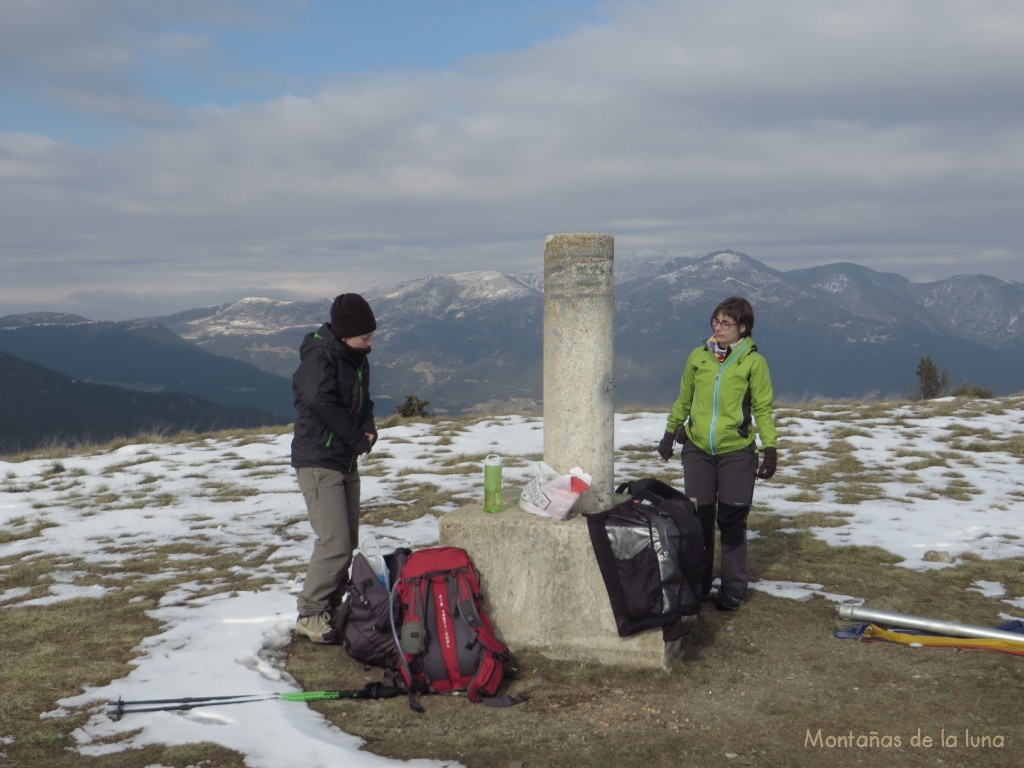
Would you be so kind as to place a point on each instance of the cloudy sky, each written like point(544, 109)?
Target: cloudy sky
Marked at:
point(163, 155)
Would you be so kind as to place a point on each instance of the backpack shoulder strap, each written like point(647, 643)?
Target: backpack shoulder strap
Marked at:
point(478, 623)
point(402, 677)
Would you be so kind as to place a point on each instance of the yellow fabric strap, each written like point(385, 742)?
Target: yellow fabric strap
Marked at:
point(876, 632)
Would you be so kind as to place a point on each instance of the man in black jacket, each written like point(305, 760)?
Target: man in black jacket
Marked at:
point(333, 426)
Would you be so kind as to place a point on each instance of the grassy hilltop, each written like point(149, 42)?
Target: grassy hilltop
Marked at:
point(92, 542)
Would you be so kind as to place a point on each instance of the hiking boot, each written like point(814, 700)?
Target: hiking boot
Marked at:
point(317, 627)
point(728, 602)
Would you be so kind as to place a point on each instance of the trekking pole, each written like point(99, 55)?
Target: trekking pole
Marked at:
point(117, 709)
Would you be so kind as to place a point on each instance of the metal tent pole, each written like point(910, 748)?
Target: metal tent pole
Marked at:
point(935, 626)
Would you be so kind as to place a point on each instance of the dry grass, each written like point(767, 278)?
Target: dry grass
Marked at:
point(754, 688)
point(768, 686)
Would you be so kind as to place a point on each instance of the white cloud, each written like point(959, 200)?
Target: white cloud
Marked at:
point(799, 132)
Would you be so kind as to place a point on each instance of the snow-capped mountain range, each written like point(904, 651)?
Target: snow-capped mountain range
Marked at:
point(474, 340)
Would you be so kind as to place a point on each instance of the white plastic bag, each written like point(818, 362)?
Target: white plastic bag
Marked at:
point(375, 557)
point(551, 494)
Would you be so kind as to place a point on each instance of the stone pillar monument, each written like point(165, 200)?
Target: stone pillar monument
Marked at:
point(579, 412)
point(543, 586)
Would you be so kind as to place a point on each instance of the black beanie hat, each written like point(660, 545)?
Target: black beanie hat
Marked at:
point(352, 316)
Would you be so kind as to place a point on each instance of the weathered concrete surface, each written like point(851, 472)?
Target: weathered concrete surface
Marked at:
point(540, 577)
point(543, 587)
point(579, 349)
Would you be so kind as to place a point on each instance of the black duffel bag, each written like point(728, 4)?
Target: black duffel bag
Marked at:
point(649, 549)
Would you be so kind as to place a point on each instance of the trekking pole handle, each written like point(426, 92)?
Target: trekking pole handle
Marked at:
point(311, 696)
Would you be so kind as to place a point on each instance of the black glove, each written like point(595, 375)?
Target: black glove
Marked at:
point(665, 446)
point(768, 463)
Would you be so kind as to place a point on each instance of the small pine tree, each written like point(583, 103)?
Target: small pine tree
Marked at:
point(413, 406)
point(930, 383)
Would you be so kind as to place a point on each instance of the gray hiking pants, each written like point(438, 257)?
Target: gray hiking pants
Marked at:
point(332, 502)
point(722, 487)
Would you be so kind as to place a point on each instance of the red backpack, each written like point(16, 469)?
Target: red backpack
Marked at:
point(447, 639)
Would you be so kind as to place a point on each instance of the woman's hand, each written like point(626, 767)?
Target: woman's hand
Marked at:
point(665, 449)
point(768, 463)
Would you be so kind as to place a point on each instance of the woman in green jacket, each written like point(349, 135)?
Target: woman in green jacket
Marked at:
point(725, 401)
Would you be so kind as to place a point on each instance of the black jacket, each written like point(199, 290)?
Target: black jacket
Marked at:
point(333, 409)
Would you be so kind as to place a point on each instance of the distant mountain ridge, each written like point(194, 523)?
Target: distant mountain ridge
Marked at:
point(474, 340)
point(39, 407)
point(464, 339)
point(141, 356)
point(840, 330)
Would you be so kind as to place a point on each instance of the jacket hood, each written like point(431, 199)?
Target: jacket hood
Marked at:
point(324, 337)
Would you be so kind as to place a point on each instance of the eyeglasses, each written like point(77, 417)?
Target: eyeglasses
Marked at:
point(723, 324)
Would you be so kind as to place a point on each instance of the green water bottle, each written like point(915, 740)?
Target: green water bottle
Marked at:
point(492, 483)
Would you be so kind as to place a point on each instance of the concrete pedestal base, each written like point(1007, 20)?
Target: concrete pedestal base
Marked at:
point(543, 587)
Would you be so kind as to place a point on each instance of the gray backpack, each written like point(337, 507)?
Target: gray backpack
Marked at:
point(364, 619)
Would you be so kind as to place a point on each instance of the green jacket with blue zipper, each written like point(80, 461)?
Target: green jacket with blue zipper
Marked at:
point(717, 399)
point(333, 409)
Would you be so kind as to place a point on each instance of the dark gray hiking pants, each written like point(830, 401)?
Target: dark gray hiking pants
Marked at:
point(332, 502)
point(722, 487)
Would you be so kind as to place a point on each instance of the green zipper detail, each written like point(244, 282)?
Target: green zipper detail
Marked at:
point(359, 408)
